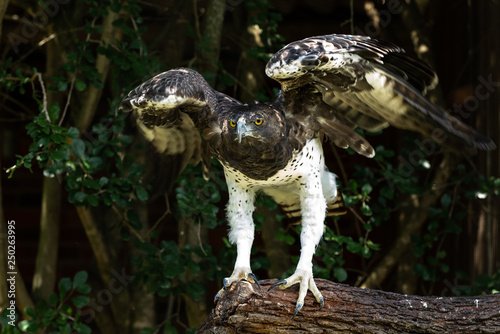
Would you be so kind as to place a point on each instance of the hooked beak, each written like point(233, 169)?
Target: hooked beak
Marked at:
point(240, 129)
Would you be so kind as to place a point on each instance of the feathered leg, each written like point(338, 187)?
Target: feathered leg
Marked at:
point(239, 214)
point(313, 207)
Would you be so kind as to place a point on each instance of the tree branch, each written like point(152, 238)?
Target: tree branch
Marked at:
point(92, 97)
point(245, 308)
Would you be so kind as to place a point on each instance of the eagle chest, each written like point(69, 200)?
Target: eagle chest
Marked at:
point(304, 163)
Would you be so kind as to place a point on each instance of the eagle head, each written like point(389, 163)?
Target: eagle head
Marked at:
point(255, 140)
point(254, 125)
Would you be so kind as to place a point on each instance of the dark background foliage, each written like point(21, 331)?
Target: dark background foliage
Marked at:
point(100, 247)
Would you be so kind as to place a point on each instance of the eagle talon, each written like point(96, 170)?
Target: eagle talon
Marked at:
point(224, 283)
point(321, 302)
point(279, 283)
point(255, 280)
point(217, 296)
point(297, 309)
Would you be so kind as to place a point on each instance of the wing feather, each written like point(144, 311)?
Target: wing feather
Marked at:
point(173, 110)
point(364, 83)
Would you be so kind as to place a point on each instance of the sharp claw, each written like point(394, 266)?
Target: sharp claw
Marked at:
point(321, 302)
point(224, 283)
point(276, 284)
point(217, 296)
point(255, 279)
point(297, 309)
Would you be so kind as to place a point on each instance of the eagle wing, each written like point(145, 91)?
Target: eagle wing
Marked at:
point(177, 112)
point(336, 83)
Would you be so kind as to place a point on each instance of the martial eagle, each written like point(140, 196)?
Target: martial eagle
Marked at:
point(330, 86)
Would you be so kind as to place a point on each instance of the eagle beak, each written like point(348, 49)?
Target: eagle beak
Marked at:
point(241, 129)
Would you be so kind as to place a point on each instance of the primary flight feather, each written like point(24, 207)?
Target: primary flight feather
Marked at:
point(331, 85)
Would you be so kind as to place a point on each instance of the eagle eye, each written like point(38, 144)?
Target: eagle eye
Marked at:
point(232, 123)
point(259, 121)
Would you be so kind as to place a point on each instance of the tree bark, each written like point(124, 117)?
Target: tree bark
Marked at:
point(246, 309)
point(44, 278)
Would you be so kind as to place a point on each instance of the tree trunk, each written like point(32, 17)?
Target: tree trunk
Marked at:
point(485, 252)
point(92, 95)
point(211, 28)
point(44, 278)
point(246, 309)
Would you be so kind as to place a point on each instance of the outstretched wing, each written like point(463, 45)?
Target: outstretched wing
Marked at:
point(346, 81)
point(173, 110)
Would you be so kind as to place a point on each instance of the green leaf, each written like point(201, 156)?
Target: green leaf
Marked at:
point(53, 299)
point(446, 201)
point(141, 193)
point(28, 326)
point(93, 200)
point(354, 247)
point(80, 85)
point(62, 85)
point(80, 301)
point(57, 138)
point(80, 279)
point(78, 147)
point(84, 288)
point(84, 329)
point(80, 197)
point(134, 219)
point(73, 132)
point(340, 274)
point(29, 311)
point(95, 163)
point(54, 112)
point(366, 210)
point(103, 181)
point(64, 286)
point(366, 189)
point(69, 67)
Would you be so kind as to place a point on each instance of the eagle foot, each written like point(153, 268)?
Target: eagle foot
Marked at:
point(239, 274)
point(306, 281)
